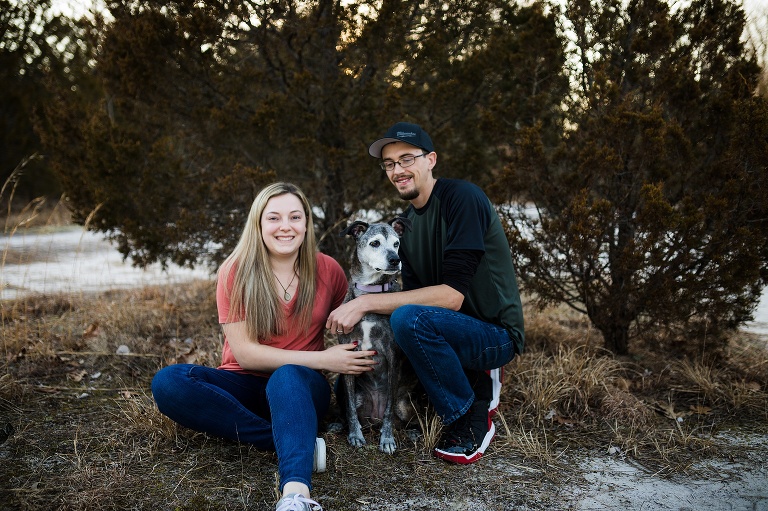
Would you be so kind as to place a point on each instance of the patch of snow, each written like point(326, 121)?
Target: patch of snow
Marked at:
point(75, 260)
point(615, 484)
point(760, 324)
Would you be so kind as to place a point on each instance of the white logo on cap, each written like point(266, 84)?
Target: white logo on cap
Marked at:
point(406, 134)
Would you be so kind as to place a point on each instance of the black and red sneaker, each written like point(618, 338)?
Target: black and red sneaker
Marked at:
point(466, 439)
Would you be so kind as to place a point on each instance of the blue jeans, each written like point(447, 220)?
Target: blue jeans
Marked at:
point(445, 347)
point(278, 413)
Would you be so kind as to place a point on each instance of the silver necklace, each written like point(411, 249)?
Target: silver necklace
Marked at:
point(286, 295)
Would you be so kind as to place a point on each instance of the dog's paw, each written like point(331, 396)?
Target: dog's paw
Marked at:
point(414, 435)
point(356, 440)
point(387, 445)
point(335, 428)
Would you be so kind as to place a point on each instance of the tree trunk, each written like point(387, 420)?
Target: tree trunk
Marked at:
point(616, 337)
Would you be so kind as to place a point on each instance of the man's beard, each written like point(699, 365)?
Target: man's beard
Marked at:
point(409, 195)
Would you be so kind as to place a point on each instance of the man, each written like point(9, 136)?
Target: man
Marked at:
point(459, 315)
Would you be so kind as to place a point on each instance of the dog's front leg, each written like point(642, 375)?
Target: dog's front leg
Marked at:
point(355, 437)
point(387, 442)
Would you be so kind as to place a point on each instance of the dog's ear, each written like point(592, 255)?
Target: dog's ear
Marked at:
point(355, 229)
point(400, 224)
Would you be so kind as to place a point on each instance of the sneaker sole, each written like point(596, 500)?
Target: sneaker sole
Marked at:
point(466, 459)
point(320, 455)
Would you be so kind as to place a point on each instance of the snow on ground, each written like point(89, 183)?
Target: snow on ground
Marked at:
point(616, 485)
point(75, 260)
point(760, 323)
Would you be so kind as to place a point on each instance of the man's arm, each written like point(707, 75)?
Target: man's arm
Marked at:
point(349, 314)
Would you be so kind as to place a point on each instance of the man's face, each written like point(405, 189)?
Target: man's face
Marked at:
point(411, 180)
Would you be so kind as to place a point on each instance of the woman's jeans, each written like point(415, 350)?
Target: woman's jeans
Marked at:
point(448, 350)
point(280, 412)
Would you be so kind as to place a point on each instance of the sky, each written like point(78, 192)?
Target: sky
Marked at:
point(82, 6)
point(757, 9)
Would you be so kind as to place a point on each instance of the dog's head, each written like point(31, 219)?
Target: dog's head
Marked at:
point(376, 252)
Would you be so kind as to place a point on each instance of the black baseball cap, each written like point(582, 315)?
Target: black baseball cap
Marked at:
point(402, 132)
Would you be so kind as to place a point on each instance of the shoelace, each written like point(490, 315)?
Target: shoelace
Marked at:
point(467, 427)
point(298, 503)
point(459, 432)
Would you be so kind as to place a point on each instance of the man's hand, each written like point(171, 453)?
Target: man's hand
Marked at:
point(346, 316)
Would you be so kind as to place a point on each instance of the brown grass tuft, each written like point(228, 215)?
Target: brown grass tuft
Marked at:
point(571, 384)
point(139, 416)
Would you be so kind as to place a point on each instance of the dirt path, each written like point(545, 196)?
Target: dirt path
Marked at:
point(614, 484)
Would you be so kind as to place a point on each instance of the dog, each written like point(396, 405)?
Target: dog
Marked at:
point(381, 394)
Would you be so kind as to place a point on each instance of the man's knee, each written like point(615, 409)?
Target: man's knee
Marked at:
point(402, 318)
point(407, 321)
point(398, 317)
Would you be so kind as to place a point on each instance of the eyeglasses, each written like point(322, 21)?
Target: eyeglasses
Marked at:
point(404, 162)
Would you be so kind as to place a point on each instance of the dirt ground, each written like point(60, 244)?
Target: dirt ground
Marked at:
point(90, 445)
point(719, 483)
point(576, 429)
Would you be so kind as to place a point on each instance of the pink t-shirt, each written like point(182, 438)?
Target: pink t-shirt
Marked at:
point(331, 289)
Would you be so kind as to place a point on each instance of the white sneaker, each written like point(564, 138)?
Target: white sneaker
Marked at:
point(297, 502)
point(318, 464)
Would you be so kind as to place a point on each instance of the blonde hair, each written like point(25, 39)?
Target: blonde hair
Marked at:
point(253, 291)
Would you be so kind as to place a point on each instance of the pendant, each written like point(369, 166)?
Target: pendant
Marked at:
point(287, 297)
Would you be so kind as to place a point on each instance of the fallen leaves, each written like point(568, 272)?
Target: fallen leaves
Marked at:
point(77, 376)
point(668, 409)
point(92, 330)
point(701, 410)
point(187, 352)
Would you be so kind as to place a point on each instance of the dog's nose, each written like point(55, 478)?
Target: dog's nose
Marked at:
point(394, 261)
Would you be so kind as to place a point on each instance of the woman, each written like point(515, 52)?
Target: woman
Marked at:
point(274, 294)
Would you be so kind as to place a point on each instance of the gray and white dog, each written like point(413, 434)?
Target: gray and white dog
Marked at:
point(381, 394)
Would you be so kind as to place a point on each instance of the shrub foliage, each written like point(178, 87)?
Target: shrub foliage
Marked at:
point(651, 210)
point(198, 105)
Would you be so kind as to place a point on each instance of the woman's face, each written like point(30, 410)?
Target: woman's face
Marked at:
point(283, 225)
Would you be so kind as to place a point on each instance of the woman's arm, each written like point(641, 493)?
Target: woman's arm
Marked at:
point(253, 356)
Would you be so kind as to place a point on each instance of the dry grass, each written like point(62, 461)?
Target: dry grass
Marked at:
point(87, 434)
point(430, 427)
point(37, 213)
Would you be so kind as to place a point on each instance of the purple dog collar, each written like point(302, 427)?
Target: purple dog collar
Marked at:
point(379, 288)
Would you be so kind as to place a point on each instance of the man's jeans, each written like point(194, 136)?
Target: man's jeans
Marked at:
point(445, 348)
point(280, 412)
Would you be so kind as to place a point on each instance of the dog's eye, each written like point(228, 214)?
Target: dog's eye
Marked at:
point(397, 244)
point(375, 243)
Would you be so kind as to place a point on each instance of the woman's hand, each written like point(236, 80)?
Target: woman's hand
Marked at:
point(344, 359)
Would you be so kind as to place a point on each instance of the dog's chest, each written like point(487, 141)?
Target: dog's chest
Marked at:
point(374, 333)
